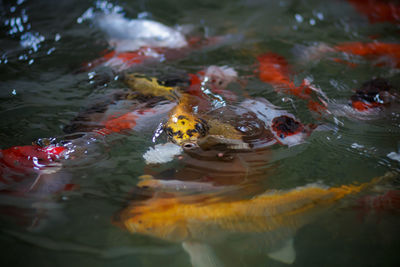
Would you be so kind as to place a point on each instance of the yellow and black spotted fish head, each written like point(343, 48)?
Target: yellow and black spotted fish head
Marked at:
point(184, 127)
point(150, 86)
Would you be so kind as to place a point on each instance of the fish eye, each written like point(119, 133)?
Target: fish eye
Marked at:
point(282, 136)
point(168, 131)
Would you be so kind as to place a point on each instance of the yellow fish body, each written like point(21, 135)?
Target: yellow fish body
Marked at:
point(177, 219)
point(202, 219)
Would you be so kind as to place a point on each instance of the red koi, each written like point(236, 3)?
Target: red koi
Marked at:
point(378, 11)
point(274, 69)
point(374, 50)
point(31, 156)
point(372, 94)
point(19, 161)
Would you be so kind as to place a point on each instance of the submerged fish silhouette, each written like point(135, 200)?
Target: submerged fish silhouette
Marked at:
point(197, 220)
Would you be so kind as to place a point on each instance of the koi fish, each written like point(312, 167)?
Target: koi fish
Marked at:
point(139, 119)
point(135, 41)
point(124, 60)
point(383, 54)
point(183, 126)
point(369, 101)
point(188, 129)
point(372, 94)
point(150, 86)
point(287, 130)
point(274, 69)
point(18, 162)
point(378, 11)
point(213, 82)
point(202, 219)
point(132, 34)
point(28, 174)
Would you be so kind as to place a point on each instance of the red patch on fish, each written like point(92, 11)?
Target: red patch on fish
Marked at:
point(363, 106)
point(29, 157)
point(124, 122)
point(126, 59)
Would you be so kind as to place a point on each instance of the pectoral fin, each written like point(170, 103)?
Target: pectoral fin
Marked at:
point(201, 255)
point(285, 254)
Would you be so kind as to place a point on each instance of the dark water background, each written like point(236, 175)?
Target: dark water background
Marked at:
point(42, 46)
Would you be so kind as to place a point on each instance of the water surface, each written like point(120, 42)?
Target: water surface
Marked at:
point(43, 46)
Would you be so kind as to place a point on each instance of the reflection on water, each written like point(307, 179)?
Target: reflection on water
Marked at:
point(203, 129)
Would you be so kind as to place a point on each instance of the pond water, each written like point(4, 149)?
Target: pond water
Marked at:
point(44, 86)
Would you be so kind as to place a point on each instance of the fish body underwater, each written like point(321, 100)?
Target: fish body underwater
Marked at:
point(200, 220)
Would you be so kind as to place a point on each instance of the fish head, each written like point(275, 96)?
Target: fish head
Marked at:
point(183, 127)
point(288, 131)
point(149, 86)
point(372, 94)
point(153, 218)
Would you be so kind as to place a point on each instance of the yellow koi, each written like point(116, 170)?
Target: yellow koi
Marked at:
point(180, 220)
point(185, 126)
point(202, 219)
point(149, 86)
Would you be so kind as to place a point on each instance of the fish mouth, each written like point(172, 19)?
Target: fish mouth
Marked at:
point(189, 145)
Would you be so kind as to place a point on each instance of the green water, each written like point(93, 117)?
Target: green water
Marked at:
point(42, 90)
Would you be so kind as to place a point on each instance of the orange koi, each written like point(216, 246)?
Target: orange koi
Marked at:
point(378, 11)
